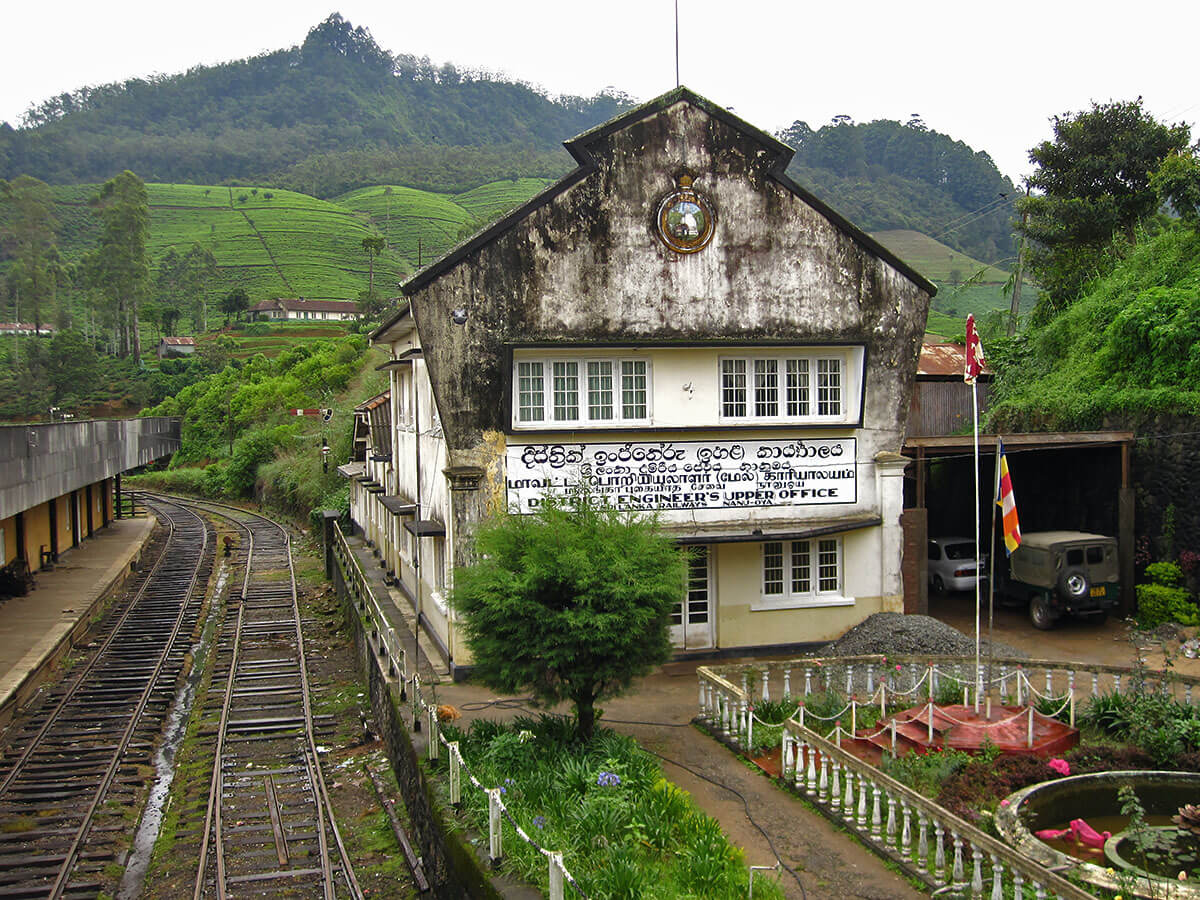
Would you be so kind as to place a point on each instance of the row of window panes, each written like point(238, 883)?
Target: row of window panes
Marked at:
point(598, 400)
point(697, 588)
point(790, 569)
point(761, 393)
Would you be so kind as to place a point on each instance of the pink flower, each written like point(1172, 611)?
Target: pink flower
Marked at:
point(1004, 802)
point(897, 667)
point(1061, 766)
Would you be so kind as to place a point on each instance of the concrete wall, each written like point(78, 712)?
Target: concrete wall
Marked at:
point(40, 462)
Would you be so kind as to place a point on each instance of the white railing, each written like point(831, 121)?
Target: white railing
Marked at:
point(1018, 681)
point(392, 660)
point(928, 840)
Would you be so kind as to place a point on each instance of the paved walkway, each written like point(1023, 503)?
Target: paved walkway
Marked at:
point(751, 809)
point(37, 629)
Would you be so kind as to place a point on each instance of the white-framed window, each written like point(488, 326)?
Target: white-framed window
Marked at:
point(439, 564)
point(802, 573)
point(403, 398)
point(531, 391)
point(788, 386)
point(581, 391)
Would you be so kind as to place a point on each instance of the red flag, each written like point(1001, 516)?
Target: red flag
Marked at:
point(974, 362)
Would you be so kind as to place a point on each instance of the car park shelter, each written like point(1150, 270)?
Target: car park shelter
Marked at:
point(1079, 481)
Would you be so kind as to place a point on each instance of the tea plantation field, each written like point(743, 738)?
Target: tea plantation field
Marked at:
point(277, 243)
point(405, 215)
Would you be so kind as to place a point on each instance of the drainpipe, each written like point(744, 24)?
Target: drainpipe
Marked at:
point(416, 394)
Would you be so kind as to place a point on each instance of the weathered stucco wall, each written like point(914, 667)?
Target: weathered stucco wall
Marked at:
point(588, 267)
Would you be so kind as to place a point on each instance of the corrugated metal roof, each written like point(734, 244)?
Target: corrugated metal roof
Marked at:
point(944, 359)
point(374, 402)
point(180, 341)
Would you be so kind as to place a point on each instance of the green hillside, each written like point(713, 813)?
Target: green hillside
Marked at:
point(273, 243)
point(491, 201)
point(439, 221)
point(337, 92)
point(1127, 349)
point(965, 285)
point(935, 260)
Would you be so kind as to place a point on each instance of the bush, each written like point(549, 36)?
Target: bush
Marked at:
point(1158, 603)
point(1168, 574)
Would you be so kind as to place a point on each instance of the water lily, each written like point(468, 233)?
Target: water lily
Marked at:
point(1061, 766)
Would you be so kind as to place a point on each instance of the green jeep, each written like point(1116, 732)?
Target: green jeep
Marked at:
point(1064, 572)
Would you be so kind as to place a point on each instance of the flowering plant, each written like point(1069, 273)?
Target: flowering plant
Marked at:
point(1061, 766)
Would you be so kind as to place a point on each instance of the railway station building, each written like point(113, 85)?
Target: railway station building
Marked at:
point(60, 483)
point(685, 327)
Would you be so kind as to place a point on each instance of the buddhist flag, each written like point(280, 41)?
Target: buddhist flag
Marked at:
point(974, 361)
point(1006, 501)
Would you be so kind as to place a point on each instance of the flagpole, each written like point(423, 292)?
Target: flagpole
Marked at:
point(978, 600)
point(992, 569)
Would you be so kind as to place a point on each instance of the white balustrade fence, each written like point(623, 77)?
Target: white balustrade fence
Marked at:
point(947, 853)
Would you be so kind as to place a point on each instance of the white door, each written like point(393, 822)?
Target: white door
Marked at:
point(691, 622)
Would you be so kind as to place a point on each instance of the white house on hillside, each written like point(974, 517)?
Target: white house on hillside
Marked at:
point(325, 310)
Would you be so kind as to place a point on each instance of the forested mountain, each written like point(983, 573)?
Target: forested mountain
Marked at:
point(885, 175)
point(336, 93)
point(339, 113)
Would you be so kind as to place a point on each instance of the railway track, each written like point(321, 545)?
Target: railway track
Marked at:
point(268, 826)
point(74, 767)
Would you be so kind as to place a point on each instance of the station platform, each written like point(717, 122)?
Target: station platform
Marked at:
point(37, 630)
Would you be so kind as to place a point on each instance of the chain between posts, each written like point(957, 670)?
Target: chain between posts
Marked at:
point(392, 659)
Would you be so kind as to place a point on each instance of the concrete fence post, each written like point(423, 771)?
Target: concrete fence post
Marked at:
point(495, 848)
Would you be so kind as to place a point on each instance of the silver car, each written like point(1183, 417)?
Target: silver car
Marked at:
point(952, 564)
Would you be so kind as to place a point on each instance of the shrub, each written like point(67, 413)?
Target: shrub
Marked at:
point(1158, 603)
point(1168, 574)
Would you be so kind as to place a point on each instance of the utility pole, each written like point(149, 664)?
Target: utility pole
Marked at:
point(1015, 309)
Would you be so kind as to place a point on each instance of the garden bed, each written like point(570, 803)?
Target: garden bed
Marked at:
point(623, 829)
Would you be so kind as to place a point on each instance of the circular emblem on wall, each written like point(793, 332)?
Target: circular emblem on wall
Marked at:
point(685, 218)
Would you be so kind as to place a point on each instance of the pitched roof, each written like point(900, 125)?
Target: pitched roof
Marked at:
point(179, 341)
point(300, 304)
point(944, 360)
point(580, 147)
point(377, 400)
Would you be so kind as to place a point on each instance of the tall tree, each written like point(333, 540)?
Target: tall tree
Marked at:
point(1091, 184)
point(120, 267)
point(372, 246)
point(570, 603)
point(235, 303)
point(199, 273)
point(27, 229)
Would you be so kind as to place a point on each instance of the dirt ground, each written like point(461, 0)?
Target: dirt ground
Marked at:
point(768, 822)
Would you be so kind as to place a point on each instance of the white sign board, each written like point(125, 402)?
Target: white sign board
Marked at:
point(680, 475)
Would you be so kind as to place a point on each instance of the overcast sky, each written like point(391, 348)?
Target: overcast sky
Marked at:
point(990, 75)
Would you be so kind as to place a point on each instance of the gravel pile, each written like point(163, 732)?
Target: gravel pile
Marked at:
point(898, 633)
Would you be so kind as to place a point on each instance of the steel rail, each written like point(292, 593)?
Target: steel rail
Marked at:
point(68, 863)
point(92, 662)
point(322, 809)
point(75, 742)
